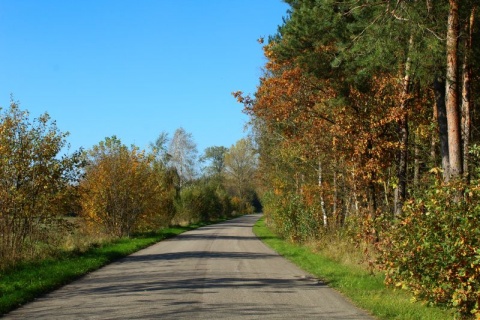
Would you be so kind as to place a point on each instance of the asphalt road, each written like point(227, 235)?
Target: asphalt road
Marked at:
point(220, 271)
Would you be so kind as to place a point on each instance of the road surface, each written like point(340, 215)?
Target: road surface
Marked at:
point(220, 271)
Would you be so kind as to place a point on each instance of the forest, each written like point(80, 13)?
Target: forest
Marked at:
point(365, 123)
point(52, 204)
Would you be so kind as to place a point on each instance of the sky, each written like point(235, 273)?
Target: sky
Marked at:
point(135, 68)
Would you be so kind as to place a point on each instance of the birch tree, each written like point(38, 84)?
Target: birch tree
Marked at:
point(182, 153)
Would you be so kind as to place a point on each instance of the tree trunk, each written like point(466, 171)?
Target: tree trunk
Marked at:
point(466, 95)
point(322, 202)
point(371, 194)
point(336, 212)
point(433, 138)
point(354, 181)
point(453, 119)
point(416, 166)
point(441, 111)
point(401, 190)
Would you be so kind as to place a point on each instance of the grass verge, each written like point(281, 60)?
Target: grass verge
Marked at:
point(363, 289)
point(29, 280)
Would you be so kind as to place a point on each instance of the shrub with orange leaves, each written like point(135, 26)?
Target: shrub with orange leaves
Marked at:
point(119, 190)
point(34, 184)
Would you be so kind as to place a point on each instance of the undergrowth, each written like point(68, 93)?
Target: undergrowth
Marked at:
point(353, 278)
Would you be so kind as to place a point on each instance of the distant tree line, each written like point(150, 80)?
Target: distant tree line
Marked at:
point(50, 202)
point(365, 121)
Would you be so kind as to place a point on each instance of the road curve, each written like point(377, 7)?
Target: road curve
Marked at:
point(221, 271)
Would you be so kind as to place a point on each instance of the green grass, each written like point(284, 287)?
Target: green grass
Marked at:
point(365, 290)
point(29, 280)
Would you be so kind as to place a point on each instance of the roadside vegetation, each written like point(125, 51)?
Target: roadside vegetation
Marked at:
point(31, 279)
point(64, 215)
point(366, 122)
point(364, 139)
point(343, 269)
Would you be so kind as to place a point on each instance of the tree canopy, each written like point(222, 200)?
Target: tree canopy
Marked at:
point(362, 104)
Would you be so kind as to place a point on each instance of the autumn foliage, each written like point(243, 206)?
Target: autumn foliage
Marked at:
point(350, 119)
point(437, 255)
point(51, 203)
point(119, 190)
point(34, 184)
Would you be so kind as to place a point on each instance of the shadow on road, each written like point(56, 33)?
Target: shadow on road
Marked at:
point(198, 285)
point(196, 255)
point(200, 236)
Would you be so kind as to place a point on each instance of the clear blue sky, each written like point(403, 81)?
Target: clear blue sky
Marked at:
point(135, 68)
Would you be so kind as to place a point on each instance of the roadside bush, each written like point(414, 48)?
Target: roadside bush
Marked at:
point(120, 190)
point(292, 217)
point(225, 202)
point(434, 249)
point(34, 183)
point(199, 202)
point(280, 217)
point(163, 208)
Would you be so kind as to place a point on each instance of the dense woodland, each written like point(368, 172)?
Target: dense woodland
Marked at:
point(50, 204)
point(365, 121)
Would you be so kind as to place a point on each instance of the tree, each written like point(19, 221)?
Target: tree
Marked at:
point(167, 179)
point(345, 84)
point(159, 149)
point(119, 190)
point(452, 101)
point(467, 103)
point(34, 181)
point(216, 157)
point(240, 166)
point(182, 153)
